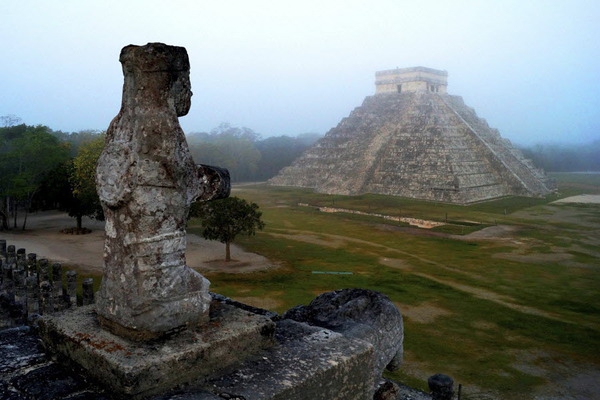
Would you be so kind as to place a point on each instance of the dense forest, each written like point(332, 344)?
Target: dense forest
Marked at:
point(45, 169)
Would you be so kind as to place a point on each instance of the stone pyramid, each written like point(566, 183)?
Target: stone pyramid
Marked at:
point(412, 139)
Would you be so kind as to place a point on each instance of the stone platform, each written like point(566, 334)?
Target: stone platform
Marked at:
point(240, 355)
point(26, 373)
point(137, 370)
point(307, 362)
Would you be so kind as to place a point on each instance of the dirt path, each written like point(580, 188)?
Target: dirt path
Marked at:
point(583, 198)
point(44, 238)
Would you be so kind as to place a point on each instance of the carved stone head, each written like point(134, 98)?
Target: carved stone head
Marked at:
point(157, 74)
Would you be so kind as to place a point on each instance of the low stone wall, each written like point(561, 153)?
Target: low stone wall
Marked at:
point(30, 287)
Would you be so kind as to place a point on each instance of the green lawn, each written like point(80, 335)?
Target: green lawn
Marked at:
point(490, 313)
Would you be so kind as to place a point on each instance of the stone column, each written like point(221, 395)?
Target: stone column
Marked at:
point(21, 255)
point(72, 288)
point(57, 286)
point(441, 387)
point(146, 180)
point(88, 291)
point(11, 254)
point(43, 274)
point(31, 264)
point(33, 295)
point(8, 287)
point(46, 306)
point(6, 273)
point(22, 263)
point(19, 275)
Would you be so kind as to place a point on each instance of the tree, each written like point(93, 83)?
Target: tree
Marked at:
point(78, 139)
point(83, 182)
point(27, 156)
point(55, 191)
point(565, 157)
point(224, 219)
point(7, 135)
point(10, 120)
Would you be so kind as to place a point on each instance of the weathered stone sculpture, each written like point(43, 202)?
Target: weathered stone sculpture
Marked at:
point(146, 180)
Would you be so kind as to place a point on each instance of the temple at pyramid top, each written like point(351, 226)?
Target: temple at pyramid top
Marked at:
point(413, 139)
point(413, 79)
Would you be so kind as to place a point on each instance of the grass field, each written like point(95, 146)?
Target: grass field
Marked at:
point(503, 298)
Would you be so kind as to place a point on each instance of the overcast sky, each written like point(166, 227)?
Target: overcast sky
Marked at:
point(531, 68)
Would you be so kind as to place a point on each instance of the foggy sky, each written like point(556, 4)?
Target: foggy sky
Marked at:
point(531, 68)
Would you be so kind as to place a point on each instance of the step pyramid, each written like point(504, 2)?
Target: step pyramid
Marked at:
point(412, 139)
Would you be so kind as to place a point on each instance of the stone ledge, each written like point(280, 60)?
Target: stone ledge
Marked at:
point(306, 363)
point(136, 369)
point(26, 373)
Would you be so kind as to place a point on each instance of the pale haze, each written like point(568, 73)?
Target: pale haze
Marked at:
point(530, 68)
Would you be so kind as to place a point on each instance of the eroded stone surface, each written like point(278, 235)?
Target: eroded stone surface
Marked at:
point(308, 362)
point(139, 369)
point(146, 180)
point(361, 314)
point(26, 372)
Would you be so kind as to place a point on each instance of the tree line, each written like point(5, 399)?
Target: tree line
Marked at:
point(44, 169)
point(247, 156)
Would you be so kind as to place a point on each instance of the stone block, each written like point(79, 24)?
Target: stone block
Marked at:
point(139, 369)
point(307, 362)
point(361, 314)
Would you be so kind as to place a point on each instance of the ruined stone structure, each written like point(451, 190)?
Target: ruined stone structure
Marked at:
point(415, 141)
point(309, 361)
